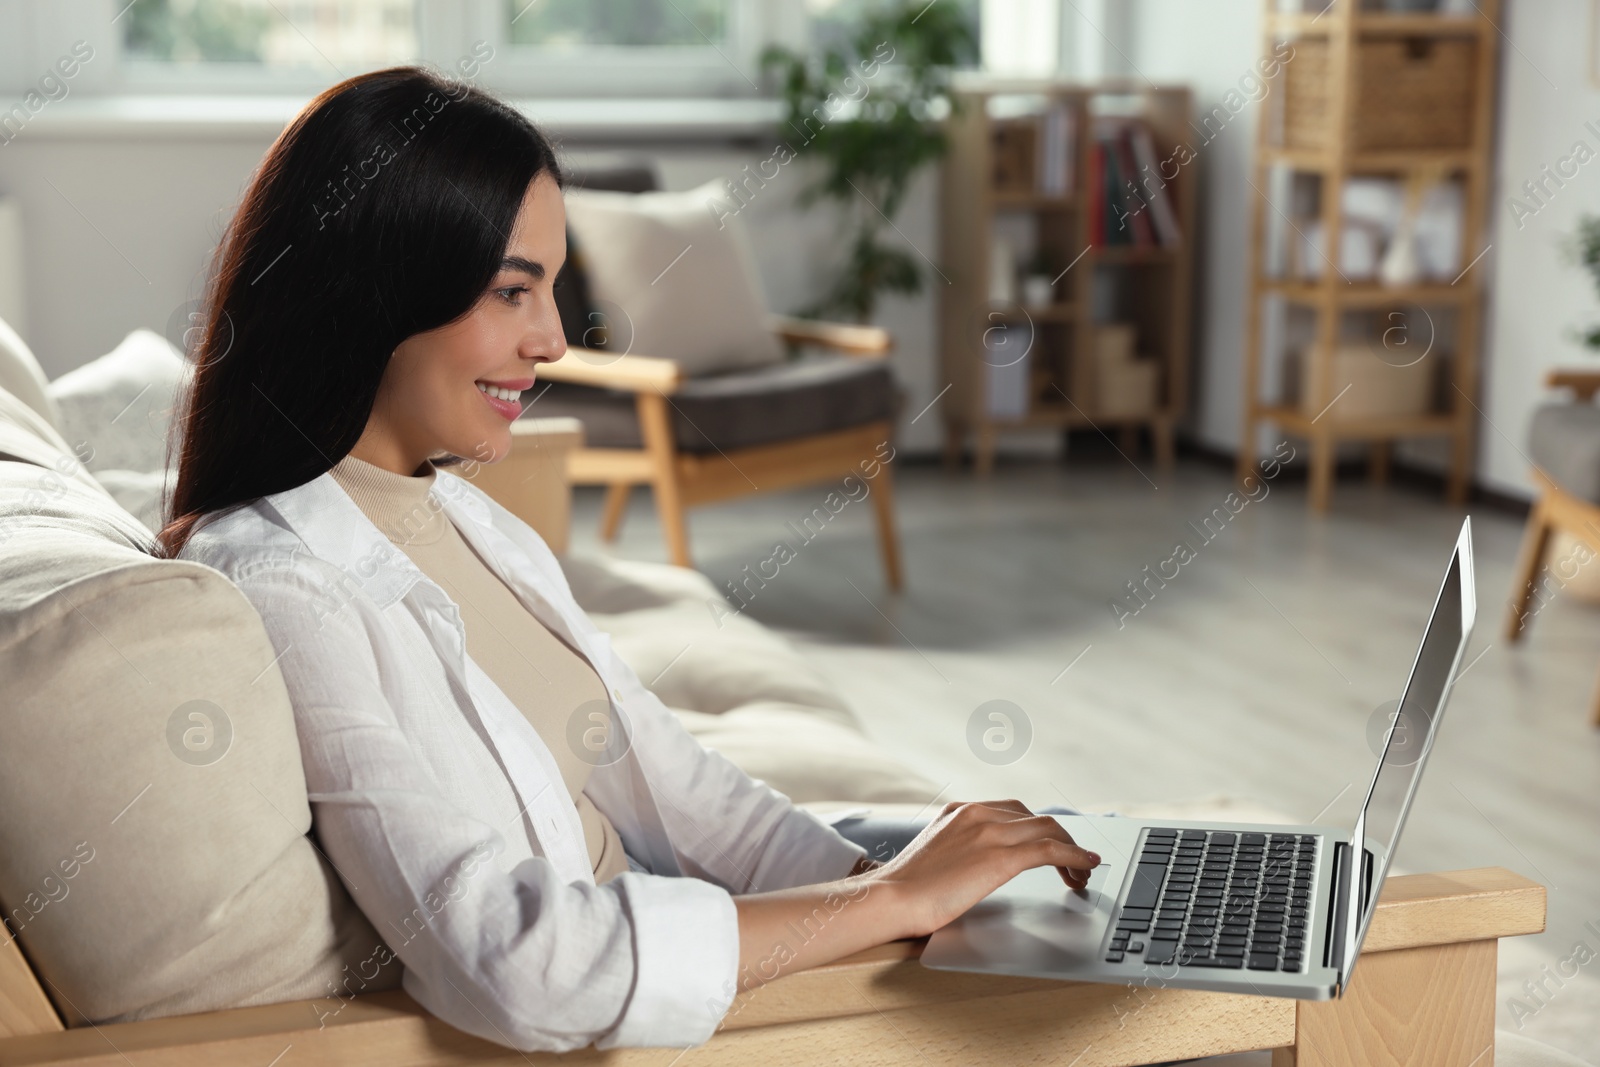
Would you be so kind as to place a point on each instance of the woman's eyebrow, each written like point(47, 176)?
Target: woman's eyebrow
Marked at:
point(536, 270)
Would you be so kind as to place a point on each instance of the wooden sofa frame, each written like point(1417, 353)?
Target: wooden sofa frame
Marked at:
point(1555, 509)
point(1423, 994)
point(681, 480)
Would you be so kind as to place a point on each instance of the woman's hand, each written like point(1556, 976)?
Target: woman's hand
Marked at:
point(968, 852)
point(962, 856)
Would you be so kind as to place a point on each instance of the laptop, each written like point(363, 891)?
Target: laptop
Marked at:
point(1231, 907)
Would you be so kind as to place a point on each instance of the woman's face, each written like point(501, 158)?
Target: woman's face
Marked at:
point(432, 397)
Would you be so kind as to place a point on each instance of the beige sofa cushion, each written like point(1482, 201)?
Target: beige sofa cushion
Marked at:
point(22, 377)
point(117, 410)
point(806, 757)
point(147, 867)
point(738, 686)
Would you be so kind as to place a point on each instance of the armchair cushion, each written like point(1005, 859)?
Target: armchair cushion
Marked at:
point(814, 394)
point(1564, 440)
point(673, 278)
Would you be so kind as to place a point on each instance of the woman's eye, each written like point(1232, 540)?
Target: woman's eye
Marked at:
point(512, 294)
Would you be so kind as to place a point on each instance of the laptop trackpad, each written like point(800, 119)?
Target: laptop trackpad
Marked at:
point(1033, 924)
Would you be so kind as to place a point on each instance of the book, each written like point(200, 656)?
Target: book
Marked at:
point(1137, 219)
point(1096, 194)
point(1163, 218)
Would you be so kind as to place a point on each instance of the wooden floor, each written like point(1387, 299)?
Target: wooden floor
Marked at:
point(1253, 675)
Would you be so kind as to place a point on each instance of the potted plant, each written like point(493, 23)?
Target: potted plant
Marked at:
point(866, 111)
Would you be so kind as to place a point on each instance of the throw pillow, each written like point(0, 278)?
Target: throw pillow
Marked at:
point(21, 375)
point(673, 278)
point(120, 406)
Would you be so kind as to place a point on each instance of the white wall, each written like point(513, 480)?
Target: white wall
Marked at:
point(1210, 47)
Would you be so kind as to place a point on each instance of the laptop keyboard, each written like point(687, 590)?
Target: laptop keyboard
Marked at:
point(1214, 899)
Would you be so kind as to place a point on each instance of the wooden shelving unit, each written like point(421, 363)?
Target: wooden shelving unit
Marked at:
point(1351, 129)
point(1152, 294)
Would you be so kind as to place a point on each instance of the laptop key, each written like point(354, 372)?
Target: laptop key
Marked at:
point(1114, 956)
point(1161, 950)
point(1229, 962)
point(1263, 962)
point(1146, 885)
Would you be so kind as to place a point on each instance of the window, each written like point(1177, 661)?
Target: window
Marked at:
point(577, 24)
point(209, 45)
point(281, 34)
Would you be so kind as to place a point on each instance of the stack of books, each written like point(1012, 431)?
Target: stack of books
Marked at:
point(1128, 198)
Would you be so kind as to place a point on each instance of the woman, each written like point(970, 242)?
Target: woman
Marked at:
point(381, 298)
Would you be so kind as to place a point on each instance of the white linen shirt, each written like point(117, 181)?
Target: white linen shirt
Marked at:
point(443, 810)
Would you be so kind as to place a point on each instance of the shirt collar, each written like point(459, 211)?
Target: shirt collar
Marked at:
point(335, 529)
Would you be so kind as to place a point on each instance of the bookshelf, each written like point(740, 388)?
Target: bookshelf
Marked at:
point(1408, 100)
point(1105, 345)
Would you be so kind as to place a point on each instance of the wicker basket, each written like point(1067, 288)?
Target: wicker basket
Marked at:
point(1364, 385)
point(1411, 92)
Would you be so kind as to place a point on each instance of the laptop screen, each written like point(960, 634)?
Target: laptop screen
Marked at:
point(1416, 719)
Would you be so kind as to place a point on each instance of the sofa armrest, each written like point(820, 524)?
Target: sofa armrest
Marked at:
point(531, 482)
point(1583, 383)
point(636, 374)
point(1431, 948)
point(848, 338)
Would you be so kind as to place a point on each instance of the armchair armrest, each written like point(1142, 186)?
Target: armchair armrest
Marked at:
point(636, 374)
point(848, 338)
point(1583, 383)
point(531, 482)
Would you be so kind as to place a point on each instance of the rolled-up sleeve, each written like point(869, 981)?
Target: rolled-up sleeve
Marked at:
point(514, 956)
point(728, 827)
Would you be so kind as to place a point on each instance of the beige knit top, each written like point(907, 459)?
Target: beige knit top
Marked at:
point(539, 672)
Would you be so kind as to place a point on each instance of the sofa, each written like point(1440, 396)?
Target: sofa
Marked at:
point(158, 856)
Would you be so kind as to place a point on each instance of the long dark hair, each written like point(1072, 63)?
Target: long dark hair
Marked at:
point(382, 211)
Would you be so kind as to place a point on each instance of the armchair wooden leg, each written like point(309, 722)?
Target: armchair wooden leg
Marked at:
point(955, 438)
point(616, 507)
point(888, 537)
point(1378, 462)
point(656, 428)
point(1535, 541)
point(1323, 453)
point(984, 449)
point(1418, 1007)
point(1161, 443)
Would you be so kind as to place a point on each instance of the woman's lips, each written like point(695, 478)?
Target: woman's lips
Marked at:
point(510, 410)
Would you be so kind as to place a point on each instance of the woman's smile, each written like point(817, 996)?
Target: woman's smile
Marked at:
point(504, 397)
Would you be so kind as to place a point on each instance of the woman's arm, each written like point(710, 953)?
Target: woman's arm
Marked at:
point(965, 854)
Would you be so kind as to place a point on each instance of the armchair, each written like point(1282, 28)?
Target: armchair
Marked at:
point(698, 440)
point(1564, 444)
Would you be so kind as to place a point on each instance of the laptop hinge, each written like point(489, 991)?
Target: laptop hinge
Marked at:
point(1339, 895)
